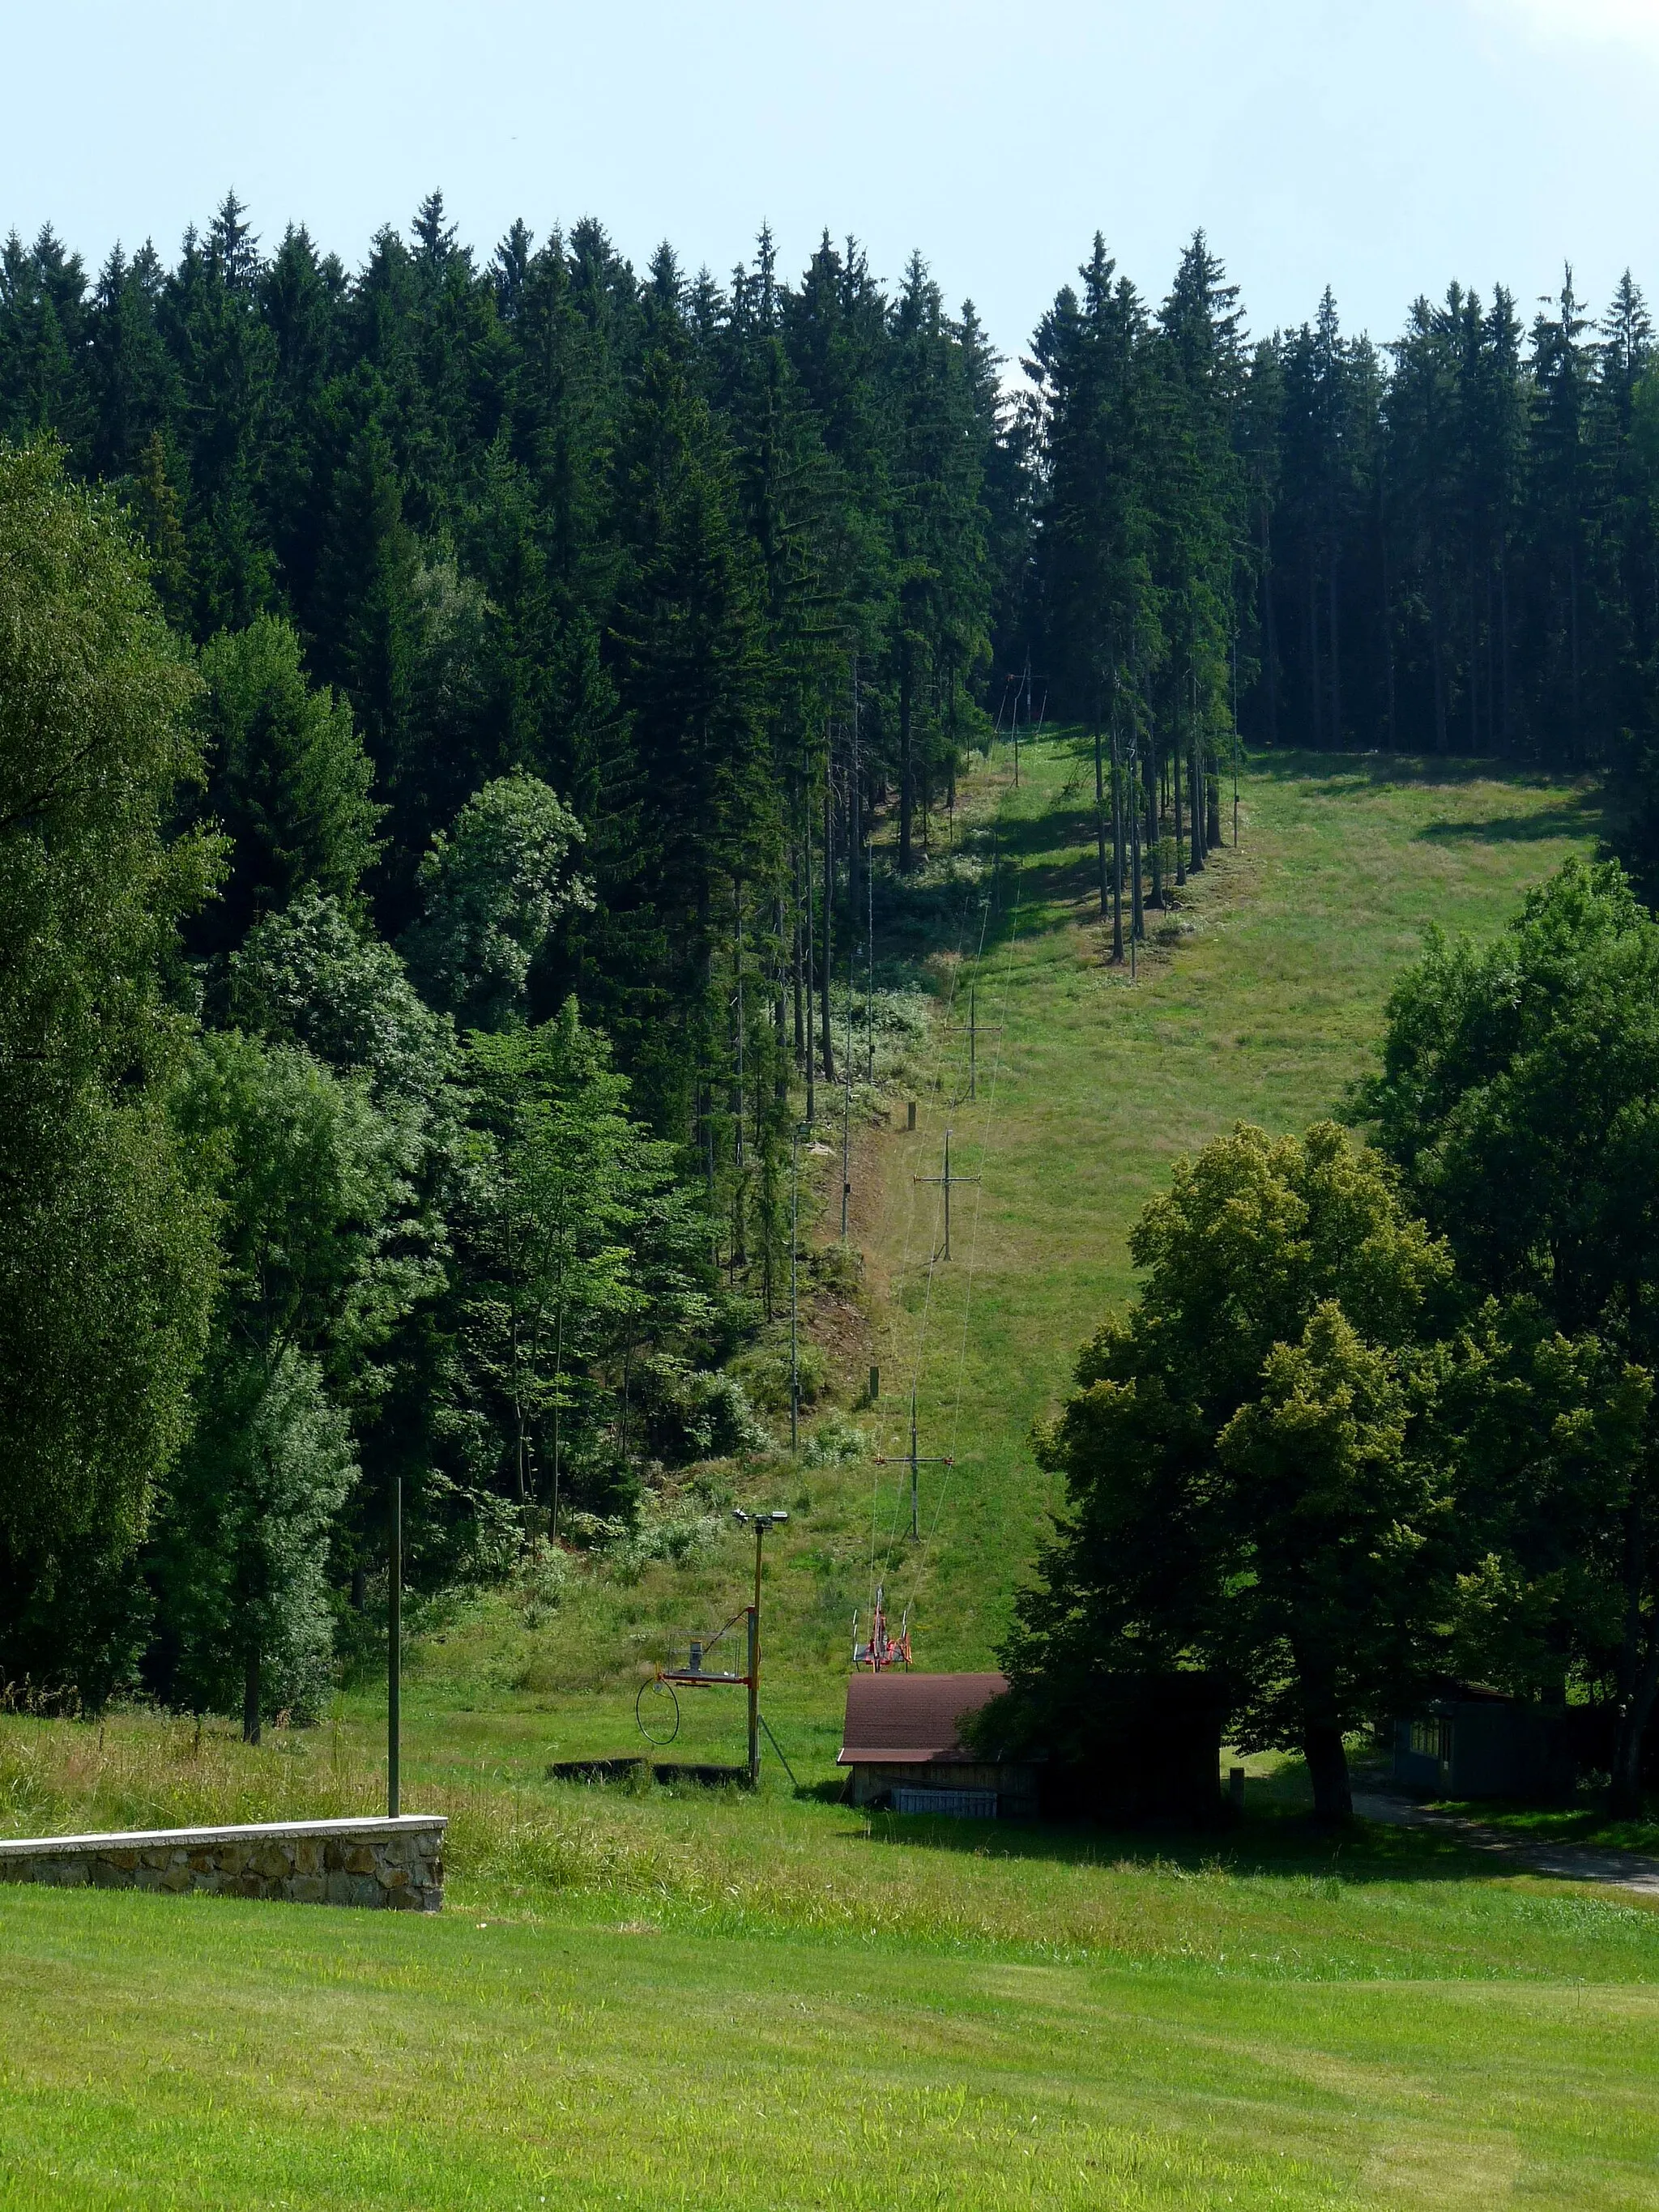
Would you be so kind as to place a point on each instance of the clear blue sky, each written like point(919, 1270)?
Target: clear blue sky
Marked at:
point(1382, 149)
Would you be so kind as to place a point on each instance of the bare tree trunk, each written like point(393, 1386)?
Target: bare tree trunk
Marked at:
point(1322, 1735)
point(737, 1038)
point(1199, 791)
point(1625, 1796)
point(1388, 654)
point(854, 821)
point(1503, 650)
point(252, 1698)
point(1117, 849)
point(829, 908)
point(907, 781)
point(1438, 655)
point(1315, 688)
point(1578, 734)
point(801, 1018)
point(1328, 1771)
point(1100, 813)
point(1269, 629)
point(558, 1386)
point(810, 953)
point(779, 1010)
point(1175, 781)
point(1638, 1675)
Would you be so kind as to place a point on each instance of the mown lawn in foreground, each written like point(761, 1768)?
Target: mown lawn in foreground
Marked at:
point(161, 2052)
point(708, 1999)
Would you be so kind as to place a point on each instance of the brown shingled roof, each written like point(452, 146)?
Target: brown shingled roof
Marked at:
point(906, 1720)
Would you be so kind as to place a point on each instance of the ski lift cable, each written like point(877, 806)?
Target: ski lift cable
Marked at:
point(989, 1112)
point(916, 1381)
point(921, 1334)
point(877, 1552)
point(985, 1151)
point(973, 1248)
point(875, 1506)
point(903, 1272)
point(880, 1555)
point(886, 1552)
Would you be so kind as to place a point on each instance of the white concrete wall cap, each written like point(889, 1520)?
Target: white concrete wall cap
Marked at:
point(138, 1839)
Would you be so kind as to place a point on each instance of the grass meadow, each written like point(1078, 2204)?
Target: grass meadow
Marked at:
point(665, 1997)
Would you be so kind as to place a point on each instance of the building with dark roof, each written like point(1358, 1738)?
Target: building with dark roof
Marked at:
point(903, 1751)
point(1467, 1740)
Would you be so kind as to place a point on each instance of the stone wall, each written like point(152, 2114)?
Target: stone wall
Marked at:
point(397, 1864)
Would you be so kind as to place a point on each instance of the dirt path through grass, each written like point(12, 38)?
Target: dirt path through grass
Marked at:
point(1565, 1861)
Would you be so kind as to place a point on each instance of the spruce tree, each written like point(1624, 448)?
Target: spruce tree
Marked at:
point(289, 780)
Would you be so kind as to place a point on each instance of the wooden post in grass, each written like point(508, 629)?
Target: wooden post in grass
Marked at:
point(394, 1646)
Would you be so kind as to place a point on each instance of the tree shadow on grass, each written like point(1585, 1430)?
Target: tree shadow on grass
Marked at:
point(1276, 1837)
point(1335, 772)
point(1571, 818)
point(1285, 1846)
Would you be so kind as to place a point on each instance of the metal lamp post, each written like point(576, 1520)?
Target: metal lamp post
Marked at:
point(760, 1523)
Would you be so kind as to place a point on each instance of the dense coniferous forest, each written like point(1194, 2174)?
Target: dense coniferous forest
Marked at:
point(449, 705)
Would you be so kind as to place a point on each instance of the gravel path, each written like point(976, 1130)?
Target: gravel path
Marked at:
point(1566, 1861)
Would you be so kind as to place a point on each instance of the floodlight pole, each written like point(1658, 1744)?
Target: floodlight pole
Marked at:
point(761, 1524)
point(754, 1663)
point(394, 1648)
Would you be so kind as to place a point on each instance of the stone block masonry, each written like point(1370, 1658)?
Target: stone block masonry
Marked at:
point(387, 1863)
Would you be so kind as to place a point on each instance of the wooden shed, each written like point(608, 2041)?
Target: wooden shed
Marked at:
point(1471, 1742)
point(902, 1748)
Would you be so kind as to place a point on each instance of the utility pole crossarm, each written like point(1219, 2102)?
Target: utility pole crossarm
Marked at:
point(948, 1182)
point(912, 1459)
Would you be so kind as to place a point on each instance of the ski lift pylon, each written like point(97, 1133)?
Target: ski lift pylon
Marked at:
point(880, 1650)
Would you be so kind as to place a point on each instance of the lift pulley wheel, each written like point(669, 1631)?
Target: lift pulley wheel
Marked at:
point(656, 1709)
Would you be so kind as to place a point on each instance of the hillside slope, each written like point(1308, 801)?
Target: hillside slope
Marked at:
point(1261, 996)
